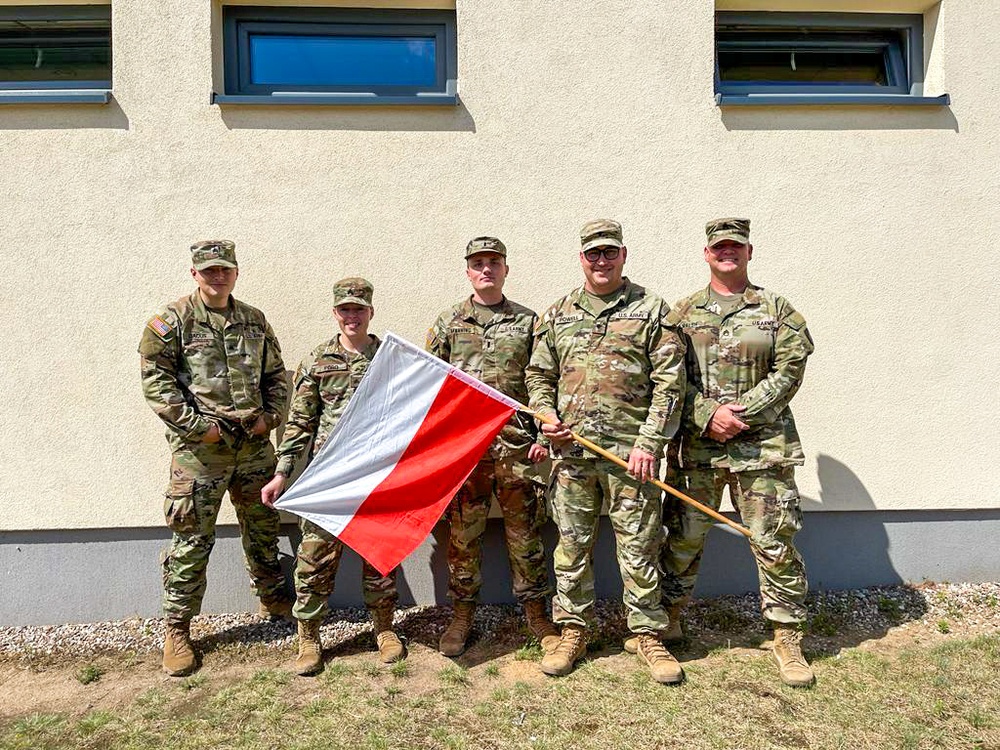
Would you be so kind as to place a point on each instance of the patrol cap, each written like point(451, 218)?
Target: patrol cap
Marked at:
point(208, 253)
point(601, 233)
point(737, 230)
point(353, 291)
point(485, 245)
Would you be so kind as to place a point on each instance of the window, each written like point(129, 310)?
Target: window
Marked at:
point(338, 56)
point(819, 58)
point(55, 53)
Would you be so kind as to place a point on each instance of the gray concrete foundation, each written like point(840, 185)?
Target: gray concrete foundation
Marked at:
point(50, 577)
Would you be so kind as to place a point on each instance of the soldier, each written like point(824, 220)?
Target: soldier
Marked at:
point(608, 366)
point(746, 358)
point(324, 384)
point(212, 371)
point(489, 337)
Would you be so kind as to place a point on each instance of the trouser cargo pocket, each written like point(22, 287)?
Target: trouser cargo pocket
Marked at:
point(178, 505)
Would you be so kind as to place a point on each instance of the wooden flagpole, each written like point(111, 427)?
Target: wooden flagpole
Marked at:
point(593, 447)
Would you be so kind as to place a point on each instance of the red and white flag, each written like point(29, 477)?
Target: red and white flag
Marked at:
point(410, 436)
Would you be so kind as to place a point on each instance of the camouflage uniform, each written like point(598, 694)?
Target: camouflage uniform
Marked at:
point(195, 375)
point(496, 352)
point(615, 377)
point(324, 384)
point(754, 356)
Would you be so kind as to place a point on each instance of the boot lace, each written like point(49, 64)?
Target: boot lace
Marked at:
point(653, 649)
point(570, 641)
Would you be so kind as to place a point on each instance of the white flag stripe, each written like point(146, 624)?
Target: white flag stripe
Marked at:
point(503, 398)
point(399, 391)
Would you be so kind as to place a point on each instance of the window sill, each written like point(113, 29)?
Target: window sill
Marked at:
point(794, 100)
point(55, 96)
point(369, 100)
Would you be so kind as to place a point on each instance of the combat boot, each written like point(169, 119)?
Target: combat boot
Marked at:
point(310, 658)
point(275, 609)
point(572, 645)
point(540, 626)
point(674, 635)
point(662, 664)
point(390, 648)
point(792, 665)
point(178, 654)
point(457, 633)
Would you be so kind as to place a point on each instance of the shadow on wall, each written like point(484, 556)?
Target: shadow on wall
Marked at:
point(863, 553)
point(361, 118)
point(838, 118)
point(845, 549)
point(64, 117)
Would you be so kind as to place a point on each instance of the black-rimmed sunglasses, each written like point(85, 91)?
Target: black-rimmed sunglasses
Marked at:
point(594, 255)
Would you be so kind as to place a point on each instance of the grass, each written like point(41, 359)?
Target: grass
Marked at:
point(454, 675)
point(529, 652)
point(915, 689)
point(88, 673)
point(921, 695)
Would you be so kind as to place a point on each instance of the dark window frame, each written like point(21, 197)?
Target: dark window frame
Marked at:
point(240, 22)
point(70, 90)
point(899, 36)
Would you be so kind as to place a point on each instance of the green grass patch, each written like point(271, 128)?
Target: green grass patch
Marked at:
point(88, 673)
point(918, 695)
point(454, 675)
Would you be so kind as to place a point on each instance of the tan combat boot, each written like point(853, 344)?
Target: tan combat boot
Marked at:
point(792, 665)
point(390, 648)
point(457, 633)
point(277, 609)
point(663, 666)
point(178, 654)
point(572, 645)
point(674, 635)
point(310, 658)
point(540, 626)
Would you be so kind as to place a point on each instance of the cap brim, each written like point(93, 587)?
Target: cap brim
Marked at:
point(484, 252)
point(214, 262)
point(734, 236)
point(602, 242)
point(352, 301)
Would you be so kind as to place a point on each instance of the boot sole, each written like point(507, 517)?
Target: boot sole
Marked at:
point(311, 672)
point(797, 683)
point(393, 658)
point(672, 681)
point(628, 648)
point(551, 672)
point(179, 672)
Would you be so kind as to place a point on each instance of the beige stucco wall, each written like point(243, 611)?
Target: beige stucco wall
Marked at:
point(878, 223)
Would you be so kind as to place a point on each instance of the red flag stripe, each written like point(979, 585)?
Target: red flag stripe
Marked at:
point(404, 507)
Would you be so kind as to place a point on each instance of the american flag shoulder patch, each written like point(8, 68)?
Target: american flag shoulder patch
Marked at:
point(159, 326)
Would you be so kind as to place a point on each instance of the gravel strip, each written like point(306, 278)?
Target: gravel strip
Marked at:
point(969, 608)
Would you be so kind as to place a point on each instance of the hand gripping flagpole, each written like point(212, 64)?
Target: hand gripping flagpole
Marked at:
point(593, 447)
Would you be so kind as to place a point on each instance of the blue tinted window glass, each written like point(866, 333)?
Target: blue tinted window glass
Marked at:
point(342, 60)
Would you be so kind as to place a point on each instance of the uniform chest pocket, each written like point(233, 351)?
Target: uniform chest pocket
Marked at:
point(197, 342)
point(756, 338)
point(333, 378)
point(252, 342)
point(465, 340)
point(627, 327)
point(512, 345)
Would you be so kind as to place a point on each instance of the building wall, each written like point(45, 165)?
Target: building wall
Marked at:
point(876, 222)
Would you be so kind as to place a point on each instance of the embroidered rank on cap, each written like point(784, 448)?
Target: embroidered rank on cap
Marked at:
point(159, 326)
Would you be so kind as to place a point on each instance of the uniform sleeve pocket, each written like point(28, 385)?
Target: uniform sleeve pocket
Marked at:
point(178, 506)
